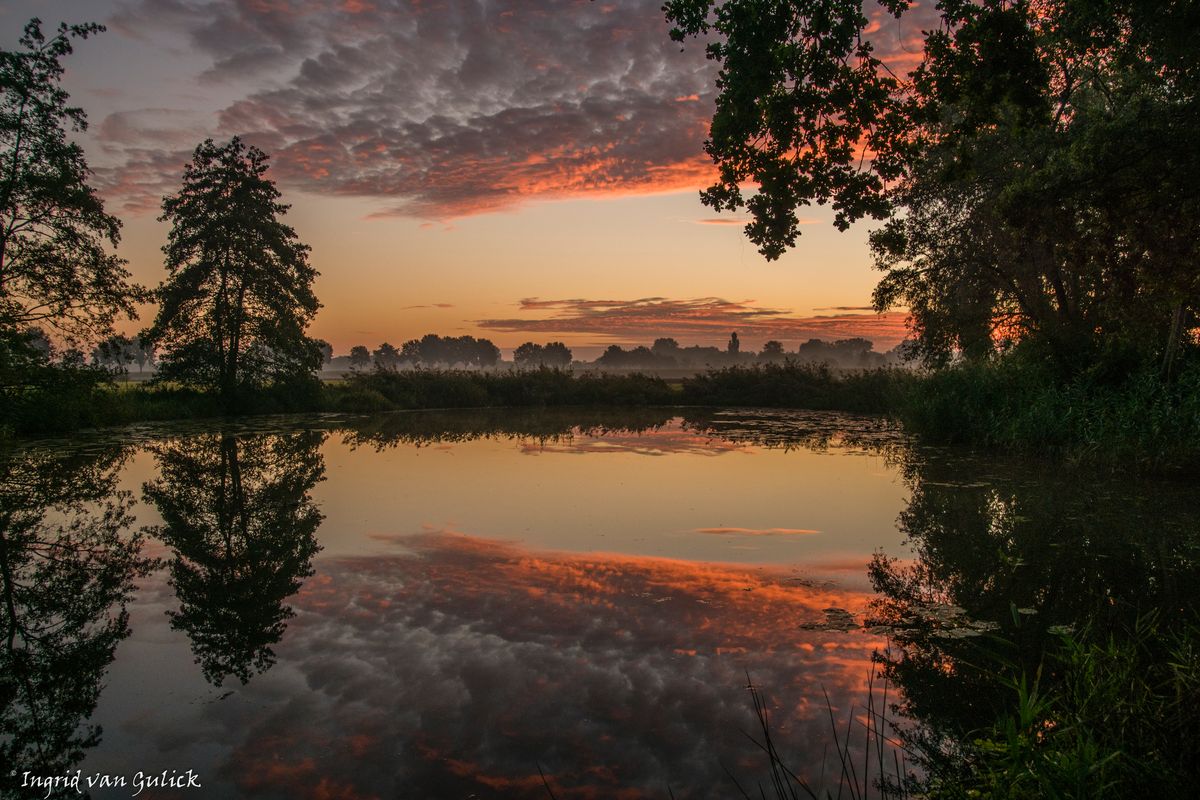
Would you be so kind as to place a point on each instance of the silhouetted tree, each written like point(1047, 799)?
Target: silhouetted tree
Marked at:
point(143, 352)
point(772, 351)
point(386, 356)
point(241, 523)
point(554, 354)
point(638, 358)
point(734, 346)
point(665, 346)
point(40, 342)
point(410, 352)
point(485, 354)
point(116, 352)
point(55, 269)
point(528, 354)
point(238, 298)
point(360, 356)
point(326, 350)
point(1035, 169)
point(465, 350)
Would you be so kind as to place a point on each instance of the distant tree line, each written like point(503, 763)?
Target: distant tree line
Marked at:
point(665, 353)
point(554, 354)
point(117, 352)
point(430, 350)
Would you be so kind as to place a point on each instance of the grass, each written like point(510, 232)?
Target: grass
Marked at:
point(801, 385)
point(384, 390)
point(1104, 717)
point(883, 772)
point(1135, 419)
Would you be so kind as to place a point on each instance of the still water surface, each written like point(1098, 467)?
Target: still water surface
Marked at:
point(456, 604)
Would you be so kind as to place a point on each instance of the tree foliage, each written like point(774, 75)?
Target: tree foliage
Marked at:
point(386, 356)
point(1036, 170)
point(360, 356)
point(238, 297)
point(432, 349)
point(554, 354)
point(56, 269)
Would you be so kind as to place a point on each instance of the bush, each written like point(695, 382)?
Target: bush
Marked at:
point(1014, 403)
point(800, 385)
point(422, 388)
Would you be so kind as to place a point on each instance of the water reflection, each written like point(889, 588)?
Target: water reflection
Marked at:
point(241, 523)
point(68, 566)
point(1008, 558)
point(545, 425)
point(456, 664)
point(463, 664)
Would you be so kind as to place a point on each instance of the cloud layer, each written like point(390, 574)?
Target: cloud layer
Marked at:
point(440, 108)
point(705, 319)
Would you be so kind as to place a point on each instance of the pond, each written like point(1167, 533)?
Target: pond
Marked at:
point(519, 604)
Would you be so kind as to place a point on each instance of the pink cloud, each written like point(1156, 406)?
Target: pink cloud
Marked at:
point(706, 319)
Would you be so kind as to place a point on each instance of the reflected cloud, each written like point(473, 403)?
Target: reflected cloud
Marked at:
point(466, 664)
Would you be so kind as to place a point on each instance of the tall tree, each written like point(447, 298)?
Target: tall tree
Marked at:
point(238, 296)
point(55, 267)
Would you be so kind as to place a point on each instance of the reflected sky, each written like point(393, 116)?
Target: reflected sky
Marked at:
point(465, 663)
point(662, 492)
point(493, 598)
point(442, 604)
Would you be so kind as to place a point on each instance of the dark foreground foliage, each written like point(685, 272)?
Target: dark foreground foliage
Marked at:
point(1133, 418)
point(384, 390)
point(1111, 416)
point(795, 384)
point(1102, 717)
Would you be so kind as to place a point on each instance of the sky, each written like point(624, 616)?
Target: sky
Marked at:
point(524, 170)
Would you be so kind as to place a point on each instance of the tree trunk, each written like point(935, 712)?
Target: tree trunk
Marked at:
point(1173, 341)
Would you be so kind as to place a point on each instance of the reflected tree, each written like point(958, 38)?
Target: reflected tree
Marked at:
point(68, 565)
point(1005, 564)
point(238, 514)
point(544, 425)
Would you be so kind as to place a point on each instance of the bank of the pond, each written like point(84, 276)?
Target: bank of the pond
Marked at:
point(1132, 419)
point(1135, 419)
